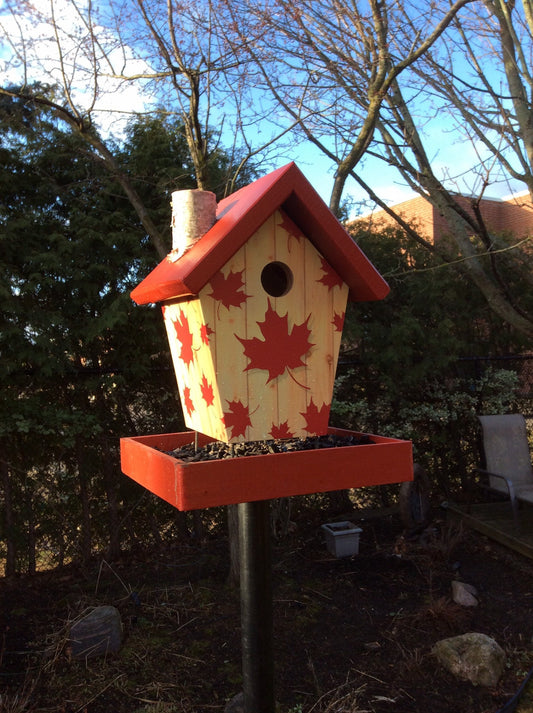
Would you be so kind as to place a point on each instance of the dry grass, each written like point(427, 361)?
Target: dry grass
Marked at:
point(181, 652)
point(344, 699)
point(145, 674)
point(20, 701)
point(17, 701)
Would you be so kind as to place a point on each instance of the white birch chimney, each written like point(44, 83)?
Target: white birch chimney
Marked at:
point(193, 214)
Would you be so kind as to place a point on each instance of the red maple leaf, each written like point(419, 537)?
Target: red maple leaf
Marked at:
point(281, 431)
point(280, 349)
point(338, 321)
point(227, 290)
point(316, 419)
point(205, 331)
point(183, 333)
point(207, 391)
point(237, 418)
point(330, 277)
point(187, 399)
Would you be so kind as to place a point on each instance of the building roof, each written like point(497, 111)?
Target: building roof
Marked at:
point(240, 215)
point(512, 215)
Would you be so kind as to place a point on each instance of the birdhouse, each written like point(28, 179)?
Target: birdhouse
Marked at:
point(254, 295)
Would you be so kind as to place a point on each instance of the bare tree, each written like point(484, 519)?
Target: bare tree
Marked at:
point(480, 80)
point(187, 62)
point(68, 55)
point(372, 80)
point(95, 66)
point(329, 65)
point(356, 79)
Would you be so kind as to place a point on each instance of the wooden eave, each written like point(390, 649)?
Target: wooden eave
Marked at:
point(240, 215)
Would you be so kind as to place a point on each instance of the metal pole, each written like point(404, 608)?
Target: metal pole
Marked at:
point(256, 607)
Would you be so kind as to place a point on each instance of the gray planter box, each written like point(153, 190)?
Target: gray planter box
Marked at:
point(342, 538)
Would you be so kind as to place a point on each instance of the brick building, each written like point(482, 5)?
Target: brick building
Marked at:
point(512, 215)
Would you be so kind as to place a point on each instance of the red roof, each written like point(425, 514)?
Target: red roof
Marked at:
point(240, 215)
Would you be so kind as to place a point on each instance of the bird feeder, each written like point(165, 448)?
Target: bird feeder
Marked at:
point(254, 296)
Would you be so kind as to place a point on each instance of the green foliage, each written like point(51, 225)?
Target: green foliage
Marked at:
point(80, 364)
point(402, 376)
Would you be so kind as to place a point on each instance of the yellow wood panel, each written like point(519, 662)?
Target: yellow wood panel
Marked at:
point(340, 300)
point(319, 371)
point(320, 358)
point(293, 391)
point(205, 388)
point(329, 299)
point(226, 298)
point(173, 313)
point(261, 393)
point(194, 367)
point(318, 295)
point(246, 344)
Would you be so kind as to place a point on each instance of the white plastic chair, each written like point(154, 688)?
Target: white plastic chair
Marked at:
point(508, 468)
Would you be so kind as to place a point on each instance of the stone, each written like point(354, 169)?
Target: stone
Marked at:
point(473, 657)
point(464, 594)
point(235, 704)
point(97, 634)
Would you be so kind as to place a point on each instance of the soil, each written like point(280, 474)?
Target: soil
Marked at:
point(351, 634)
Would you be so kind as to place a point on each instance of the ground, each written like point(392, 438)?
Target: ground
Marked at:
point(350, 635)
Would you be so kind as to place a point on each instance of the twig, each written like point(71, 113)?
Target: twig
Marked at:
point(84, 705)
point(369, 676)
point(102, 563)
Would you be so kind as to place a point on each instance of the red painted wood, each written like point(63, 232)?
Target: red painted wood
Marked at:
point(190, 486)
point(240, 215)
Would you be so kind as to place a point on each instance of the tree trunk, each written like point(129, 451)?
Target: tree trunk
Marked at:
point(85, 535)
point(8, 520)
point(32, 564)
point(112, 505)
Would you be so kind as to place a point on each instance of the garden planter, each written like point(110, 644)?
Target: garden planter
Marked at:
point(194, 485)
point(342, 538)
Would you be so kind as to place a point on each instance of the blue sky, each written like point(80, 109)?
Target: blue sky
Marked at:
point(449, 158)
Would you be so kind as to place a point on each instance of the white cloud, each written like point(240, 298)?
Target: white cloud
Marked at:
point(51, 43)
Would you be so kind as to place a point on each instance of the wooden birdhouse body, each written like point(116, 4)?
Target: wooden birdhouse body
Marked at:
point(254, 303)
point(254, 310)
point(255, 353)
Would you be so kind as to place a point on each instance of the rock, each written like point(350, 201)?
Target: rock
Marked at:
point(236, 704)
point(464, 594)
point(97, 634)
point(474, 657)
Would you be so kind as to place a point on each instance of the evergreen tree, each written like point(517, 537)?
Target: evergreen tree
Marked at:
point(80, 365)
point(400, 372)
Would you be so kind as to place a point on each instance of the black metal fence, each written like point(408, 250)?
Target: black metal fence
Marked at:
point(46, 510)
point(522, 365)
point(439, 417)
